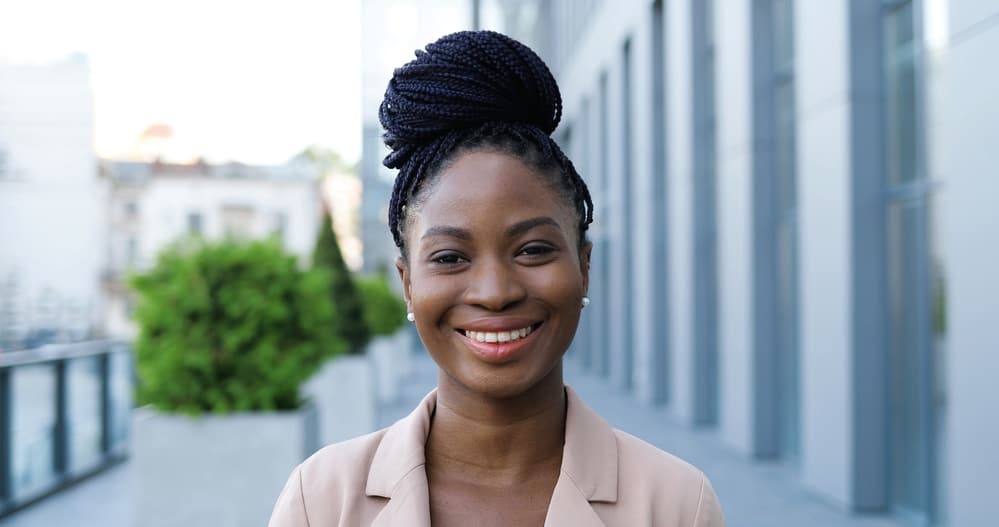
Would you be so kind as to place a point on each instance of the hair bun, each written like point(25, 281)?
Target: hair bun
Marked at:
point(461, 81)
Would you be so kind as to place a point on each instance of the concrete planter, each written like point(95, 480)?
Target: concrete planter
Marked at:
point(218, 471)
point(392, 361)
point(344, 394)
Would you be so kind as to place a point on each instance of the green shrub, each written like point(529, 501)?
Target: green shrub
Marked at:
point(342, 291)
point(232, 326)
point(384, 311)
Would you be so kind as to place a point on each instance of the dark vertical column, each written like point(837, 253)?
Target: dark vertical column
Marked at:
point(6, 438)
point(628, 216)
point(660, 360)
point(705, 250)
point(60, 454)
point(602, 311)
point(867, 260)
point(764, 288)
point(476, 14)
point(104, 370)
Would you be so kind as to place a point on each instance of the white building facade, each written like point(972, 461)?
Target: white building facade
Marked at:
point(794, 238)
point(155, 204)
point(52, 205)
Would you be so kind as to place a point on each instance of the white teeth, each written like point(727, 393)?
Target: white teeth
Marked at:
point(498, 336)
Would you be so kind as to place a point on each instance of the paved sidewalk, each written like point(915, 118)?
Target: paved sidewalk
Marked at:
point(752, 494)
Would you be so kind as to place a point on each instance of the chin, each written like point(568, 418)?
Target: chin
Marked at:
point(507, 382)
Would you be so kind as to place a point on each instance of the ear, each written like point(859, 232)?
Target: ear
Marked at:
point(584, 264)
point(403, 268)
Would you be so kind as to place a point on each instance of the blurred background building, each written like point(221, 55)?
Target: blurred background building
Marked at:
point(52, 205)
point(793, 231)
point(153, 204)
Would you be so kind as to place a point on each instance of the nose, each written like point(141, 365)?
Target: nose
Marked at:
point(494, 285)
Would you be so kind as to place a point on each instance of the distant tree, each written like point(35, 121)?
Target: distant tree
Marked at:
point(347, 307)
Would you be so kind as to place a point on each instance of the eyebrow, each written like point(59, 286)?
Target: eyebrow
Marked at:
point(523, 226)
point(514, 230)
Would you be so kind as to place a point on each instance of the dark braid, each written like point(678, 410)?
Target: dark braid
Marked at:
point(473, 90)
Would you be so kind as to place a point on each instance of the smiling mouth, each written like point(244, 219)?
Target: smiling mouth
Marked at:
point(499, 336)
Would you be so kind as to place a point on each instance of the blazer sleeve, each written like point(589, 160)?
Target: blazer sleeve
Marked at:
point(289, 511)
point(709, 513)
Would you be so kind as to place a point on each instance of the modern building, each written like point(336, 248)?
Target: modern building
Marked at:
point(51, 205)
point(154, 204)
point(795, 237)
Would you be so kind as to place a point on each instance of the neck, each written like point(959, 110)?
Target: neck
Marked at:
point(498, 439)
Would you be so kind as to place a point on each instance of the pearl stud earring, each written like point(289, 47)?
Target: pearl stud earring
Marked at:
point(586, 301)
point(410, 317)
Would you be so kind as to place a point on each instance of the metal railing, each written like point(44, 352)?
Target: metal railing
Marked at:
point(64, 415)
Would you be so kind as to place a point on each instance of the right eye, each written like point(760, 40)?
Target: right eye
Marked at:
point(447, 258)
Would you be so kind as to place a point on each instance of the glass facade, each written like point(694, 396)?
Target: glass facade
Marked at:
point(627, 215)
point(786, 228)
point(705, 236)
point(908, 269)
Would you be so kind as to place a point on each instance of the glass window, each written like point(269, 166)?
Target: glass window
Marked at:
point(786, 228)
point(194, 227)
point(910, 308)
point(83, 413)
point(900, 93)
point(120, 395)
point(33, 393)
point(705, 238)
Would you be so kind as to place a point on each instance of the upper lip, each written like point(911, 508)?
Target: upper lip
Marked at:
point(493, 324)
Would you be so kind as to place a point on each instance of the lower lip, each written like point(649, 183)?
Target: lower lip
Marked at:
point(498, 352)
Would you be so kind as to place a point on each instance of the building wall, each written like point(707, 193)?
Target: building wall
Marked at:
point(963, 108)
point(51, 200)
point(679, 184)
point(732, 27)
point(844, 350)
point(823, 108)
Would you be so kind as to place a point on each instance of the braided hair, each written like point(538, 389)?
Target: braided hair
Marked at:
point(473, 90)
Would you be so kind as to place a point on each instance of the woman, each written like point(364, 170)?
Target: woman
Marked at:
point(490, 219)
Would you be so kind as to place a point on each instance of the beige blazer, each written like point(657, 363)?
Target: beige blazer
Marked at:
point(608, 478)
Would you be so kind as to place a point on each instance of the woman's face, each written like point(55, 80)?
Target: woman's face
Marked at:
point(495, 276)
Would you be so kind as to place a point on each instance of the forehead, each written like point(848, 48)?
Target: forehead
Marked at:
point(481, 189)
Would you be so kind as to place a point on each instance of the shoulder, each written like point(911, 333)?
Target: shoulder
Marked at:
point(328, 485)
point(675, 488)
point(338, 473)
point(644, 460)
point(341, 465)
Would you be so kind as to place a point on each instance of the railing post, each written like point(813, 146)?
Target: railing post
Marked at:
point(6, 438)
point(104, 367)
point(60, 456)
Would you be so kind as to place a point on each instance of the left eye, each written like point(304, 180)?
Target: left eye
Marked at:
point(536, 250)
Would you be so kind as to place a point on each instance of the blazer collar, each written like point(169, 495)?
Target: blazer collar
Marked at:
point(589, 467)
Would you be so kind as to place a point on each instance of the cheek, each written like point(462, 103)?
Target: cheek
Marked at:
point(562, 286)
point(431, 296)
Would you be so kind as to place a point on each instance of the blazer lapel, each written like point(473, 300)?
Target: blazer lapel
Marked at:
point(397, 470)
point(409, 504)
point(589, 467)
point(569, 506)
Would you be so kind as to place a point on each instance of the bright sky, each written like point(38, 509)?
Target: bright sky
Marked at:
point(248, 80)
